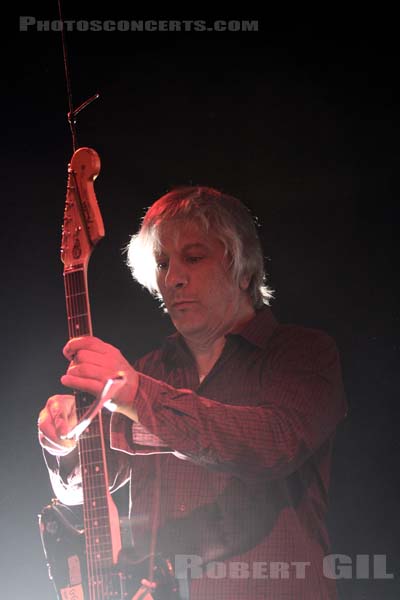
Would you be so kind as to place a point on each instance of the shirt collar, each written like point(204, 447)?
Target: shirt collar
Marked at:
point(257, 331)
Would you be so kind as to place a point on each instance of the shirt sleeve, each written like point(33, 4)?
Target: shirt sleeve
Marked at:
point(302, 403)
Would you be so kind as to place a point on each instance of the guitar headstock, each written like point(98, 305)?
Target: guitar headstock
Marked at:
point(83, 225)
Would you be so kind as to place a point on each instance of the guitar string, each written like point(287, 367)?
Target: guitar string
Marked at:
point(73, 285)
point(78, 327)
point(98, 551)
point(77, 310)
point(69, 278)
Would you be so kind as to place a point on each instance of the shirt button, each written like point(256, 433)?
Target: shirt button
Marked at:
point(182, 507)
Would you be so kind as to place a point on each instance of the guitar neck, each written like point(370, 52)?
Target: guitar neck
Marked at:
point(77, 300)
point(99, 512)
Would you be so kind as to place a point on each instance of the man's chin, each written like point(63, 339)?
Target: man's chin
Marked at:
point(186, 323)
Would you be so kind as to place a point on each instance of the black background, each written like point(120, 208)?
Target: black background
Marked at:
point(301, 122)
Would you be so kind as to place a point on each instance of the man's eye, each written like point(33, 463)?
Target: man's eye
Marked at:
point(194, 259)
point(162, 264)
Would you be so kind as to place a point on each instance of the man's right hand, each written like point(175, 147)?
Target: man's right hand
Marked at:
point(56, 419)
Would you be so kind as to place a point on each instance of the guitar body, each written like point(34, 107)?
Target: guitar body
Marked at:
point(86, 563)
point(65, 550)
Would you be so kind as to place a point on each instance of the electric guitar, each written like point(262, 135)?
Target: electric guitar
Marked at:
point(84, 562)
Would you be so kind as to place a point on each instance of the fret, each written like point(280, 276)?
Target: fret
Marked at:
point(77, 295)
point(78, 316)
point(90, 435)
point(96, 487)
point(98, 510)
point(88, 464)
point(98, 473)
point(77, 301)
point(102, 552)
point(97, 481)
point(99, 526)
point(79, 323)
point(100, 544)
point(100, 529)
point(103, 537)
point(92, 460)
point(101, 541)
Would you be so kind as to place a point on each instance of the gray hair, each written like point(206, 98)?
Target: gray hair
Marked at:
point(224, 216)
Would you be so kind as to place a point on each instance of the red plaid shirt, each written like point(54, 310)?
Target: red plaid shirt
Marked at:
point(246, 492)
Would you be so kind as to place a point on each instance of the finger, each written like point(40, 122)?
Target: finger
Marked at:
point(44, 420)
point(85, 377)
point(90, 357)
point(61, 448)
point(88, 371)
point(86, 342)
point(62, 411)
point(57, 448)
point(83, 384)
point(48, 436)
point(71, 347)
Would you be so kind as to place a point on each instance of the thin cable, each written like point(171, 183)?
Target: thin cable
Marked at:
point(71, 114)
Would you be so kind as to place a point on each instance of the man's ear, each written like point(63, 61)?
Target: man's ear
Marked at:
point(244, 282)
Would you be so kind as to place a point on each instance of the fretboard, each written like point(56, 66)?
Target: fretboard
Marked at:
point(77, 299)
point(96, 514)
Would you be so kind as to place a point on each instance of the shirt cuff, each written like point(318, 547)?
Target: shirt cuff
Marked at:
point(135, 438)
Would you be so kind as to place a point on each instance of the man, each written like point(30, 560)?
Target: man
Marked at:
point(226, 430)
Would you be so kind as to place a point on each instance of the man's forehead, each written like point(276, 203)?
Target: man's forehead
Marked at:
point(179, 234)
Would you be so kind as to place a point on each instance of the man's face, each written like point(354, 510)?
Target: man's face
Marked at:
point(195, 281)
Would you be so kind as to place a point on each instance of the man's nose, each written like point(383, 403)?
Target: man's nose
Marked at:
point(176, 276)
